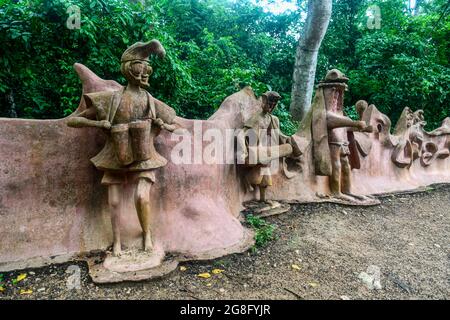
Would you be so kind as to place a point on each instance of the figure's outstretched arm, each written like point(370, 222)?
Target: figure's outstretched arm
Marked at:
point(80, 122)
point(84, 119)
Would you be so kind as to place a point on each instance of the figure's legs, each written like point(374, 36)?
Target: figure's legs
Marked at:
point(142, 202)
point(335, 178)
point(346, 175)
point(266, 181)
point(262, 193)
point(253, 177)
point(336, 173)
point(114, 200)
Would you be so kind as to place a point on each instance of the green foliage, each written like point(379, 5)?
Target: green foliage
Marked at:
point(215, 47)
point(264, 232)
point(404, 63)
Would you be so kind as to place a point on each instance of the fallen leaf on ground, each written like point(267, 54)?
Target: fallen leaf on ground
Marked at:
point(21, 277)
point(182, 268)
point(217, 271)
point(313, 284)
point(23, 291)
point(205, 275)
point(296, 267)
point(209, 284)
point(2, 289)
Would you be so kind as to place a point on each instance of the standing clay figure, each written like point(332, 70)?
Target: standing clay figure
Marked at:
point(131, 118)
point(262, 142)
point(331, 133)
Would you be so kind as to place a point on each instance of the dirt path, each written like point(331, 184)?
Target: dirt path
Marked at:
point(407, 238)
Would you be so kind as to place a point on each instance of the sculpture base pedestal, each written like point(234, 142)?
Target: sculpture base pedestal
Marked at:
point(132, 265)
point(363, 203)
point(366, 201)
point(133, 260)
point(137, 265)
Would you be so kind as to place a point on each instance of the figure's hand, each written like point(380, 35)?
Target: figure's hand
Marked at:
point(168, 127)
point(361, 125)
point(159, 122)
point(105, 124)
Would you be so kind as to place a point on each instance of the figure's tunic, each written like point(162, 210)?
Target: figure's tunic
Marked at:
point(261, 120)
point(118, 108)
point(262, 123)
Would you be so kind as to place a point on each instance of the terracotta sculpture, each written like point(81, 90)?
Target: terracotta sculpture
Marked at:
point(197, 211)
point(380, 122)
point(332, 133)
point(443, 129)
point(262, 142)
point(131, 118)
point(413, 142)
point(410, 137)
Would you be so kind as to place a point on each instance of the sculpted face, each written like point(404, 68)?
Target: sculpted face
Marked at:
point(334, 98)
point(334, 84)
point(270, 102)
point(269, 106)
point(139, 73)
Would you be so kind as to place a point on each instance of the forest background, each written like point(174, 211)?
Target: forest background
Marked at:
point(215, 47)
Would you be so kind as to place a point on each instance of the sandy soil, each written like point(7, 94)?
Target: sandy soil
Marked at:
point(407, 238)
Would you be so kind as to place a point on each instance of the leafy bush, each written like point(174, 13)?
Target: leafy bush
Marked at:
point(264, 232)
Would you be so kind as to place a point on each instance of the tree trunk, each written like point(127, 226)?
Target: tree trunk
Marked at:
point(319, 13)
point(12, 105)
point(414, 11)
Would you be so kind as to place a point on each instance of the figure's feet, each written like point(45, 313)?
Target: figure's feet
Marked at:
point(273, 204)
point(322, 195)
point(117, 249)
point(358, 197)
point(148, 245)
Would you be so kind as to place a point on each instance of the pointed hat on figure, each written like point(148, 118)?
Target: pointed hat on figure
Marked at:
point(142, 51)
